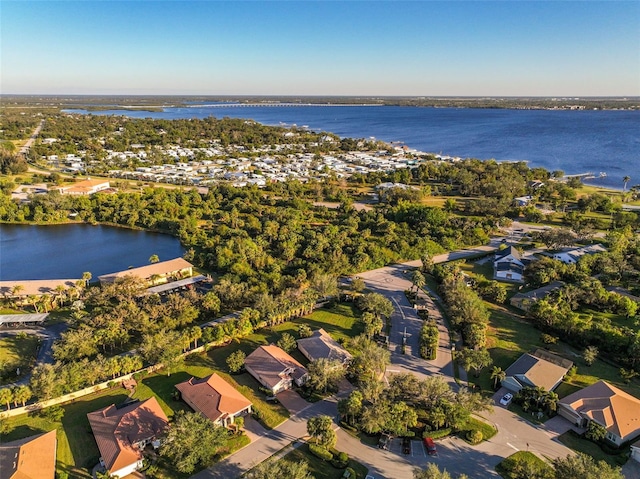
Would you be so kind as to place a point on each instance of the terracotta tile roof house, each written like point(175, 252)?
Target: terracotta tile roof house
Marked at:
point(214, 398)
point(35, 287)
point(122, 433)
point(275, 369)
point(86, 187)
point(33, 457)
point(321, 345)
point(608, 406)
point(165, 271)
point(536, 370)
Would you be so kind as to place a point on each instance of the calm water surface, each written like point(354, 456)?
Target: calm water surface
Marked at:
point(573, 141)
point(66, 251)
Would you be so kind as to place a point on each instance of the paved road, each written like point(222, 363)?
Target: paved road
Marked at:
point(514, 433)
point(25, 148)
point(265, 446)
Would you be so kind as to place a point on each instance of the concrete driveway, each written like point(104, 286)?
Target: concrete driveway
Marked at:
point(292, 401)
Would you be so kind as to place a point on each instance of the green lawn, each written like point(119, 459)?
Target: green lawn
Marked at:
point(507, 464)
point(17, 352)
point(487, 430)
point(77, 451)
point(509, 335)
point(615, 319)
point(321, 469)
point(573, 441)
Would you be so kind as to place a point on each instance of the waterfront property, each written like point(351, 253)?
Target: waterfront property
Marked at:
point(321, 345)
point(157, 273)
point(606, 405)
point(123, 432)
point(33, 457)
point(214, 398)
point(22, 292)
point(85, 188)
point(540, 369)
point(275, 369)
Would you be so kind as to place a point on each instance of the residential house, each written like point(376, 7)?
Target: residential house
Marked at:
point(523, 200)
point(540, 369)
point(612, 408)
point(508, 265)
point(156, 273)
point(86, 187)
point(525, 300)
point(214, 398)
point(33, 457)
point(572, 255)
point(321, 345)
point(275, 369)
point(123, 432)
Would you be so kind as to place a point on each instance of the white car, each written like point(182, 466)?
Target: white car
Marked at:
point(506, 399)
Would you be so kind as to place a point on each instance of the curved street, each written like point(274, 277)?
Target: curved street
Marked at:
point(454, 455)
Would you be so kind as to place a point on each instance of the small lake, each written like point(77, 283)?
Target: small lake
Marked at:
point(66, 251)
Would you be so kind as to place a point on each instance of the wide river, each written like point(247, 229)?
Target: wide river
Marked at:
point(66, 251)
point(573, 141)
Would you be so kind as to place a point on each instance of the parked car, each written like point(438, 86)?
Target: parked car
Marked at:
point(406, 445)
point(430, 446)
point(384, 441)
point(506, 399)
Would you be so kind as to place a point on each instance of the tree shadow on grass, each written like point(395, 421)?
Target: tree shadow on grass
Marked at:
point(79, 435)
point(164, 387)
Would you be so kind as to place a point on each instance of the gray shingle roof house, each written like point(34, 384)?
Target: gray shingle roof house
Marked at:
point(508, 265)
point(275, 369)
point(321, 345)
point(531, 370)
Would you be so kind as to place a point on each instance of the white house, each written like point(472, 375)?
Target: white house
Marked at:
point(508, 265)
point(571, 256)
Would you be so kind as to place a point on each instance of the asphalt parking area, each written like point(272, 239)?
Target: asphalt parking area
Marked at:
point(417, 448)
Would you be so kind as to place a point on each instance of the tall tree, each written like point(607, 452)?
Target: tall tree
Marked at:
point(192, 441)
point(584, 467)
point(626, 180)
point(325, 374)
point(320, 428)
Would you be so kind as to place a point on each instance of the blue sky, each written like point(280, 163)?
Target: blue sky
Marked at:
point(367, 48)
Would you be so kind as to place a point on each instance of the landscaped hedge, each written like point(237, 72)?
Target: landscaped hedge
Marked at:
point(320, 452)
point(429, 338)
point(438, 434)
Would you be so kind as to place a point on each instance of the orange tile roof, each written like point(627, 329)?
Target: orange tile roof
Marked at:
point(145, 272)
point(116, 430)
point(609, 406)
point(213, 397)
point(33, 457)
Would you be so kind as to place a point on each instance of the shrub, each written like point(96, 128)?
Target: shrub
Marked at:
point(429, 340)
point(320, 452)
point(340, 460)
point(474, 436)
point(351, 473)
point(438, 434)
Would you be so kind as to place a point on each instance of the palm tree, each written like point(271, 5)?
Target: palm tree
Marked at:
point(497, 374)
point(418, 280)
point(626, 180)
point(154, 259)
point(86, 276)
point(6, 396)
